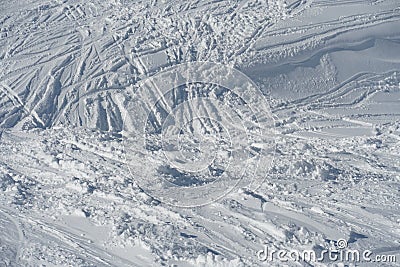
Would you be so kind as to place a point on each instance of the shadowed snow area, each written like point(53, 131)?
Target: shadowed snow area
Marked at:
point(289, 141)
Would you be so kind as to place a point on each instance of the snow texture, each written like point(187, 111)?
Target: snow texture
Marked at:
point(197, 133)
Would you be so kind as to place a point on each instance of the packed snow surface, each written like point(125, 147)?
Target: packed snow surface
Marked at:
point(198, 133)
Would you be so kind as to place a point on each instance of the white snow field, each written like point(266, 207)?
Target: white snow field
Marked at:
point(199, 132)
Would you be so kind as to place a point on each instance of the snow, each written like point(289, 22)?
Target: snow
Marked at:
point(196, 133)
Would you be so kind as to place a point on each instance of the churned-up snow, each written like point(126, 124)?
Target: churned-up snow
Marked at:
point(199, 133)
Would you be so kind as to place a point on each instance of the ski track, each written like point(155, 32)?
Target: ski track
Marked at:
point(68, 69)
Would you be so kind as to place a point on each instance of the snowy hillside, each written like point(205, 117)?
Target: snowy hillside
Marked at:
point(199, 133)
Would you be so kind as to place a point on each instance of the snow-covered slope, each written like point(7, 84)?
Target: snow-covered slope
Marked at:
point(83, 175)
